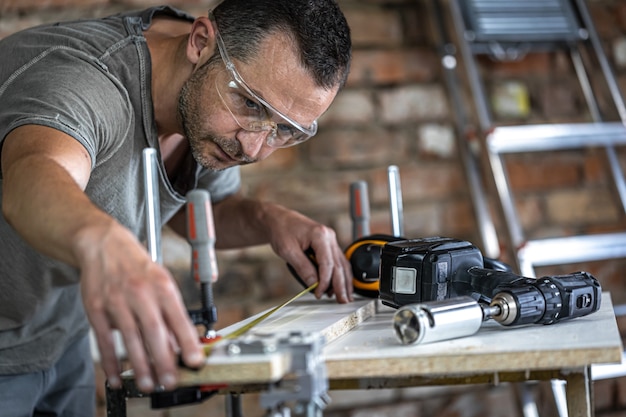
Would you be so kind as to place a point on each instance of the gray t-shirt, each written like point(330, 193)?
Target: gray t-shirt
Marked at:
point(92, 80)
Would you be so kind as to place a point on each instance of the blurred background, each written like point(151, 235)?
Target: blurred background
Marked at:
point(398, 109)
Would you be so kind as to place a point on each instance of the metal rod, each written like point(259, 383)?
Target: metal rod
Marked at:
point(395, 200)
point(359, 209)
point(486, 227)
point(152, 202)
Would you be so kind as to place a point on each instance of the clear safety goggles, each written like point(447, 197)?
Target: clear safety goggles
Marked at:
point(252, 112)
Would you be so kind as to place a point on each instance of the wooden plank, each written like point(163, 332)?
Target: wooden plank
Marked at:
point(372, 351)
point(307, 315)
point(578, 393)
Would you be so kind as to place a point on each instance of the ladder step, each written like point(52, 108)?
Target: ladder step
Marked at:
point(521, 21)
point(572, 249)
point(550, 137)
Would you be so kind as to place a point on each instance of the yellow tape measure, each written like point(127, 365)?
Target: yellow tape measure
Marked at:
point(243, 329)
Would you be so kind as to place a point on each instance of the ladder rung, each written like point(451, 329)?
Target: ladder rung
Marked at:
point(549, 137)
point(522, 21)
point(573, 249)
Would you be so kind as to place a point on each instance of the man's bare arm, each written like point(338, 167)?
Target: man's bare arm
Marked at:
point(44, 175)
point(241, 221)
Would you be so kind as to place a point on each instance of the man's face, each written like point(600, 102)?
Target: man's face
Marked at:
point(213, 126)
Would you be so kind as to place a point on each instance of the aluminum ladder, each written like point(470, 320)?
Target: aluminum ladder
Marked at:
point(507, 30)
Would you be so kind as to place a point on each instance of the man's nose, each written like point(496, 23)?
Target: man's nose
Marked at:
point(252, 143)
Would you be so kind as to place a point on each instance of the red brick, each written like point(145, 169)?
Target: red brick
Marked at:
point(350, 107)
point(581, 206)
point(280, 160)
point(356, 148)
point(620, 13)
point(391, 66)
point(531, 64)
point(530, 212)
point(411, 103)
point(558, 99)
point(604, 393)
point(543, 171)
point(373, 26)
point(595, 166)
point(604, 17)
point(458, 219)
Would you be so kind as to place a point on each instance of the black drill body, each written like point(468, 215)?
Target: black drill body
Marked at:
point(438, 268)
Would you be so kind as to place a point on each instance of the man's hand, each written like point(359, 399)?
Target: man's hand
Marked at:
point(45, 173)
point(292, 233)
point(123, 289)
point(240, 221)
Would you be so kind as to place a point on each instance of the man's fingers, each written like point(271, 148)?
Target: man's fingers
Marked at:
point(325, 269)
point(106, 347)
point(184, 333)
point(303, 266)
point(347, 277)
point(125, 322)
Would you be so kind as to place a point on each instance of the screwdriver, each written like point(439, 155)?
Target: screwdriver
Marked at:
point(201, 236)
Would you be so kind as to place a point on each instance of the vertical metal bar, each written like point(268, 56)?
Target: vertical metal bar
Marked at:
point(616, 171)
point(395, 200)
point(602, 59)
point(486, 124)
point(506, 200)
point(233, 405)
point(618, 175)
point(359, 209)
point(115, 402)
point(482, 109)
point(486, 227)
point(585, 84)
point(152, 202)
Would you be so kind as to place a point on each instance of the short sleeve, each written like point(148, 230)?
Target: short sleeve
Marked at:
point(66, 90)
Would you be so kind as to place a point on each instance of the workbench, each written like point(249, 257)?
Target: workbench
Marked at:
point(362, 352)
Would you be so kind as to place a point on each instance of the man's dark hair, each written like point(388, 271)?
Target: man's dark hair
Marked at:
point(318, 28)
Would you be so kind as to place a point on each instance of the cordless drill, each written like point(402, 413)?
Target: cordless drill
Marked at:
point(439, 268)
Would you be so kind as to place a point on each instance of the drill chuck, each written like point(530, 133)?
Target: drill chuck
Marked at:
point(546, 300)
point(518, 306)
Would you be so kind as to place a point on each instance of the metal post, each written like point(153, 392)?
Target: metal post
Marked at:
point(152, 202)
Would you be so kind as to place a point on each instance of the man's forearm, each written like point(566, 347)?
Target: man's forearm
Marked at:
point(240, 221)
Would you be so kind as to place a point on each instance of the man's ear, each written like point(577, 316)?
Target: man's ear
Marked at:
point(201, 43)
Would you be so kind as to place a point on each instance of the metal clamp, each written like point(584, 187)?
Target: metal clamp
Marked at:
point(305, 388)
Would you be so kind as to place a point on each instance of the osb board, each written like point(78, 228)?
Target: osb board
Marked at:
point(307, 315)
point(372, 350)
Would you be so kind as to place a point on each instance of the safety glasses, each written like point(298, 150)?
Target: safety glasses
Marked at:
point(251, 111)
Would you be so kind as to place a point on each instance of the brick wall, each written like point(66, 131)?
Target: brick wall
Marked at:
point(395, 110)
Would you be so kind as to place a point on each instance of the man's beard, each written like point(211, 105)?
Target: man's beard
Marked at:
point(190, 116)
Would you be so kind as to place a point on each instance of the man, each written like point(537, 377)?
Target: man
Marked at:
point(79, 101)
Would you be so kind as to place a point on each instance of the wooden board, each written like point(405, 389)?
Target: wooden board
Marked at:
point(372, 350)
point(361, 346)
point(307, 315)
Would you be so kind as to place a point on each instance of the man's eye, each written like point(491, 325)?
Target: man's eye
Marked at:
point(285, 130)
point(252, 105)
